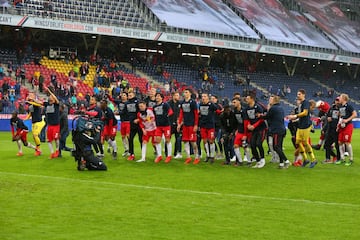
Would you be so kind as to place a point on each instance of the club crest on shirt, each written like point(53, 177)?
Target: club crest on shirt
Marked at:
point(186, 107)
point(204, 110)
point(159, 110)
point(251, 113)
point(50, 109)
point(131, 107)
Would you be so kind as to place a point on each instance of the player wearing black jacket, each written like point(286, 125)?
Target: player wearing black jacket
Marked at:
point(275, 119)
point(331, 136)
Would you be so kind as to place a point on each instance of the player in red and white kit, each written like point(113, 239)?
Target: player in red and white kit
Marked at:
point(162, 112)
point(52, 111)
point(345, 129)
point(208, 110)
point(110, 127)
point(241, 135)
point(146, 121)
point(19, 133)
point(188, 120)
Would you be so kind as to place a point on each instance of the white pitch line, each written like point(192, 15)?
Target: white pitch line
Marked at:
point(189, 191)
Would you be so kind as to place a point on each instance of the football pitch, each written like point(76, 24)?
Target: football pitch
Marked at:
point(49, 199)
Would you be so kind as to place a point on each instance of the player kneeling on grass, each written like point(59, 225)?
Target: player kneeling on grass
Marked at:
point(19, 133)
point(146, 121)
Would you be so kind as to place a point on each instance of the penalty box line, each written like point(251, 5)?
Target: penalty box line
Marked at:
point(234, 195)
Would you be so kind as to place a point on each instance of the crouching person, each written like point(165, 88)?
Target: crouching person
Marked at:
point(84, 154)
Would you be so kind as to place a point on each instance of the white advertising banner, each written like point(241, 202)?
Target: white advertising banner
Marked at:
point(12, 20)
point(347, 59)
point(296, 53)
point(33, 22)
point(217, 43)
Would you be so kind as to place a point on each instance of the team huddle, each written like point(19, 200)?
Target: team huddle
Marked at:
point(241, 126)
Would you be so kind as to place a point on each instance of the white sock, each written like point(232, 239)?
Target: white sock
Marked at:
point(238, 155)
point(195, 148)
point(342, 151)
point(207, 151)
point(350, 151)
point(274, 154)
point(212, 149)
point(143, 151)
point(114, 146)
point(247, 153)
point(18, 142)
point(158, 149)
point(31, 146)
point(187, 148)
point(51, 147)
point(125, 142)
point(271, 144)
point(169, 149)
point(110, 143)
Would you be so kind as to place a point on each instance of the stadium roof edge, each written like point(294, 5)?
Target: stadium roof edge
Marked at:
point(246, 45)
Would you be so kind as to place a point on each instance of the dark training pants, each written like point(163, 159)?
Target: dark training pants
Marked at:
point(134, 129)
point(278, 146)
point(256, 141)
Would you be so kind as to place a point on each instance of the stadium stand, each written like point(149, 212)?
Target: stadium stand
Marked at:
point(351, 8)
point(63, 67)
point(106, 12)
point(293, 28)
point(126, 73)
point(265, 83)
point(328, 16)
point(276, 23)
point(289, 26)
point(61, 77)
point(14, 94)
point(209, 16)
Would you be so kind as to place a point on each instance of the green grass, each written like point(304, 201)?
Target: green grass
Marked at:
point(50, 199)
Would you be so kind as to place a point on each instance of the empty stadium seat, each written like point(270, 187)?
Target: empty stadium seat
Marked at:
point(92, 11)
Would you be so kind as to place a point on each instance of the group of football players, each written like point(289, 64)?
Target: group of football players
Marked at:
point(242, 124)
